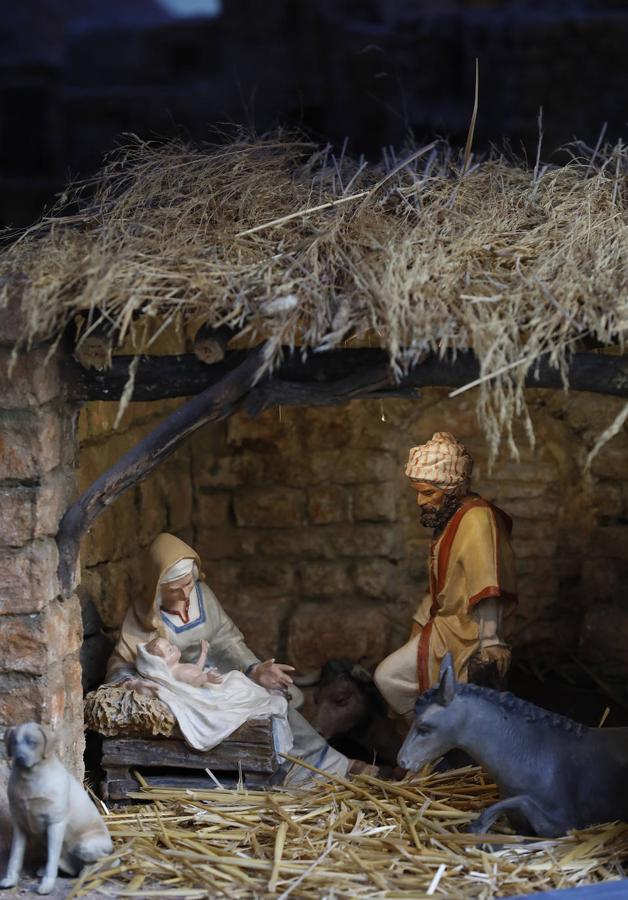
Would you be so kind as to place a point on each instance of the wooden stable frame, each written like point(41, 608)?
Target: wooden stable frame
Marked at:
point(233, 384)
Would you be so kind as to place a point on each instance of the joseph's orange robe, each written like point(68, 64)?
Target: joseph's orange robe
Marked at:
point(470, 561)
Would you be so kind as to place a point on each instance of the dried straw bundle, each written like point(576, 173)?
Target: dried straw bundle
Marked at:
point(286, 242)
point(365, 838)
point(113, 711)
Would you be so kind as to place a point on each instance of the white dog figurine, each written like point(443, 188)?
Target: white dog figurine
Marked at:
point(45, 800)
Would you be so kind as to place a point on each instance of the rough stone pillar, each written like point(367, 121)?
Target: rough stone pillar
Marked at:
point(40, 632)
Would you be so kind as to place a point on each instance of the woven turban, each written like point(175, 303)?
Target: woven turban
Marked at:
point(443, 461)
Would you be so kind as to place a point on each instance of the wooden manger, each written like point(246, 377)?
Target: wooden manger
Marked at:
point(248, 754)
point(142, 745)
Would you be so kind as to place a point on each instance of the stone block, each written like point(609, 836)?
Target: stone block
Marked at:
point(179, 500)
point(261, 623)
point(30, 445)
point(324, 579)
point(28, 577)
point(604, 638)
point(31, 382)
point(375, 578)
point(328, 504)
point(275, 508)
point(223, 543)
point(266, 577)
point(318, 633)
point(222, 578)
point(539, 530)
point(24, 641)
point(536, 472)
point(374, 503)
point(212, 509)
point(604, 578)
point(32, 643)
point(612, 460)
point(232, 471)
point(501, 491)
point(546, 507)
point(539, 549)
point(64, 627)
point(34, 512)
point(303, 543)
point(352, 466)
point(149, 513)
point(610, 542)
point(329, 428)
point(372, 432)
point(369, 540)
point(608, 499)
point(271, 429)
point(21, 698)
point(118, 586)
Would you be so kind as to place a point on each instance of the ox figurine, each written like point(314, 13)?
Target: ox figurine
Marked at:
point(553, 774)
point(350, 708)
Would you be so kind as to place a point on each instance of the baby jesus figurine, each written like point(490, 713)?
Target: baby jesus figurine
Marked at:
point(190, 673)
point(208, 706)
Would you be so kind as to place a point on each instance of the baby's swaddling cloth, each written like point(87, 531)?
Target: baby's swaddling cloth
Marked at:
point(209, 714)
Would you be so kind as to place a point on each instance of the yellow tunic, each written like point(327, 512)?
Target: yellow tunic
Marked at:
point(471, 561)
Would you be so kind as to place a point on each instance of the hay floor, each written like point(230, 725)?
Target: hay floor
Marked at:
point(360, 838)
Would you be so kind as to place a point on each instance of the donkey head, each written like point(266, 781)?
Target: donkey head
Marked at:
point(434, 730)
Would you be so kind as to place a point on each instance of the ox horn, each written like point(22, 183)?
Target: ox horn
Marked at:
point(308, 679)
point(360, 673)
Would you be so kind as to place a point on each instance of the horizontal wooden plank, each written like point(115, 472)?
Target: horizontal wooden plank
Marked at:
point(119, 783)
point(255, 731)
point(130, 752)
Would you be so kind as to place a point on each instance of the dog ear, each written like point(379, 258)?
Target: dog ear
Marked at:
point(9, 742)
point(48, 742)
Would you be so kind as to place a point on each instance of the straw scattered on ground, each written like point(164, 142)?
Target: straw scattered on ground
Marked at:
point(291, 243)
point(364, 838)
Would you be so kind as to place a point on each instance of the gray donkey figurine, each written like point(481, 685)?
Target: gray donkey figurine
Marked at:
point(553, 774)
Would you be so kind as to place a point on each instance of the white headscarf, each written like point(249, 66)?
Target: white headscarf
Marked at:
point(178, 570)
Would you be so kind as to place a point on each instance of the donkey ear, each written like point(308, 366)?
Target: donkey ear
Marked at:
point(447, 663)
point(447, 683)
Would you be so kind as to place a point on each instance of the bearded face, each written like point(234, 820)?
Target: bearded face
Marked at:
point(435, 506)
point(433, 517)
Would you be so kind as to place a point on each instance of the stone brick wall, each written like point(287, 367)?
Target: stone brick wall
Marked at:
point(40, 633)
point(309, 535)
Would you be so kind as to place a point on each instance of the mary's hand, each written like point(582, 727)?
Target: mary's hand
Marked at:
point(273, 676)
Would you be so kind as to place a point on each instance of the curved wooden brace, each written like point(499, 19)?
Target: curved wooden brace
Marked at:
point(214, 403)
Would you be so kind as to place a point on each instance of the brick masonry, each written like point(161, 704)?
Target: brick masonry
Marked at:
point(41, 633)
point(308, 531)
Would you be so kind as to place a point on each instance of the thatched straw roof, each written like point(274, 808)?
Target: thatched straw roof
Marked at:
point(287, 242)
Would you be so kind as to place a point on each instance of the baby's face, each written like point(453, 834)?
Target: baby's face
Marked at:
point(168, 652)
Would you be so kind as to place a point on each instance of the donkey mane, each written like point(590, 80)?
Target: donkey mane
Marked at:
point(509, 702)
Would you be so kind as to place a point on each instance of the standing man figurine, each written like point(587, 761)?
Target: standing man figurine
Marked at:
point(472, 583)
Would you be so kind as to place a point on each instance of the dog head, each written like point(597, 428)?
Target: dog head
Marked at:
point(28, 744)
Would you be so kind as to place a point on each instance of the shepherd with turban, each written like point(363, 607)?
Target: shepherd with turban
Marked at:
point(184, 610)
point(472, 583)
